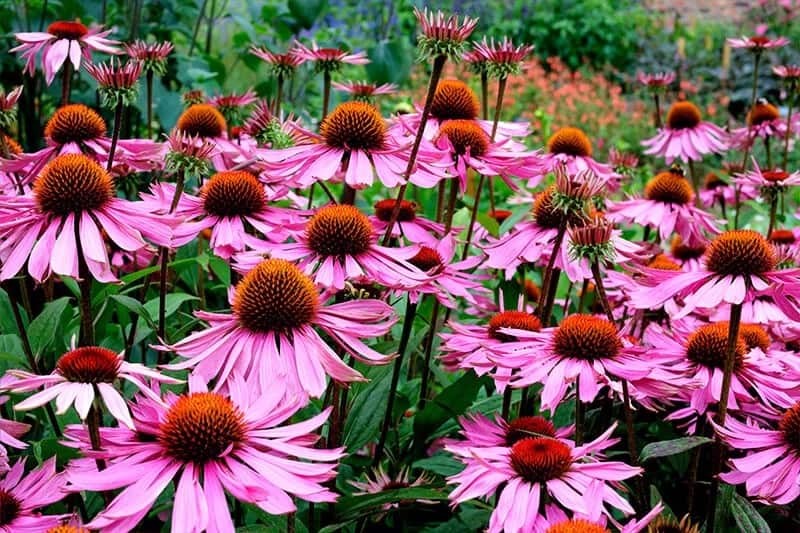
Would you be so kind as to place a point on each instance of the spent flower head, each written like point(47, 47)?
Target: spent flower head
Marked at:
point(188, 153)
point(152, 56)
point(117, 82)
point(443, 35)
point(8, 107)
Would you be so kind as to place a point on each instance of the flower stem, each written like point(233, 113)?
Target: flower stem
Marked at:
point(506, 403)
point(436, 73)
point(115, 135)
point(426, 366)
point(657, 116)
point(93, 420)
point(695, 181)
point(788, 128)
point(326, 94)
point(485, 95)
point(66, 79)
point(278, 97)
point(149, 83)
point(579, 414)
point(722, 410)
point(773, 211)
point(746, 158)
point(85, 284)
point(408, 322)
point(473, 217)
point(164, 259)
point(544, 296)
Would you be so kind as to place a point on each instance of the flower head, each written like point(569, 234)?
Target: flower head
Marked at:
point(757, 43)
point(232, 105)
point(592, 241)
point(152, 56)
point(503, 59)
point(363, 90)
point(188, 153)
point(686, 135)
point(8, 107)
point(117, 82)
point(283, 65)
point(658, 81)
point(21, 497)
point(443, 35)
point(269, 130)
point(327, 59)
point(202, 120)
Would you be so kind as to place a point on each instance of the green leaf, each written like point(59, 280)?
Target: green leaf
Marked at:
point(7, 322)
point(666, 448)
point(350, 505)
point(746, 516)
point(450, 403)
point(723, 512)
point(306, 12)
point(440, 463)
point(171, 304)
point(390, 61)
point(43, 329)
point(364, 421)
point(135, 306)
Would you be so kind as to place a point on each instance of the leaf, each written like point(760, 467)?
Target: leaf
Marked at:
point(369, 408)
point(390, 61)
point(747, 517)
point(171, 304)
point(44, 328)
point(135, 306)
point(350, 505)
point(723, 513)
point(665, 448)
point(440, 463)
point(450, 403)
point(306, 12)
point(7, 322)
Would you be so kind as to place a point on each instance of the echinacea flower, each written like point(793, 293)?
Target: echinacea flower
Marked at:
point(363, 90)
point(537, 468)
point(78, 129)
point(195, 96)
point(63, 40)
point(763, 122)
point(622, 162)
point(232, 105)
point(787, 72)
point(555, 520)
point(737, 264)
point(21, 497)
point(117, 83)
point(272, 333)
point(480, 431)
point(503, 58)
point(229, 204)
point(270, 131)
point(379, 481)
point(353, 142)
point(188, 153)
point(11, 431)
point(282, 65)
point(72, 210)
point(768, 181)
point(208, 123)
point(339, 244)
point(8, 107)
point(667, 205)
point(207, 444)
point(571, 147)
point(757, 43)
point(583, 350)
point(152, 56)
point(410, 226)
point(686, 136)
point(771, 465)
point(327, 59)
point(656, 81)
point(80, 375)
point(443, 35)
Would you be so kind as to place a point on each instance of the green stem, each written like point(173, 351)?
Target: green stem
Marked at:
point(115, 135)
point(746, 158)
point(66, 80)
point(544, 296)
point(164, 259)
point(149, 83)
point(788, 129)
point(579, 414)
point(484, 95)
point(326, 94)
point(426, 367)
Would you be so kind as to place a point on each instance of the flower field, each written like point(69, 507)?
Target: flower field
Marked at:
point(244, 290)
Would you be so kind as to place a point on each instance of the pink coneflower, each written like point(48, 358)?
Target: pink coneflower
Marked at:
point(686, 136)
point(207, 444)
point(232, 105)
point(480, 346)
point(79, 376)
point(787, 72)
point(698, 354)
point(152, 56)
point(22, 496)
point(657, 81)
point(479, 431)
point(270, 131)
point(338, 244)
point(667, 205)
point(117, 83)
point(68, 212)
point(585, 350)
point(737, 264)
point(11, 431)
point(771, 467)
point(555, 520)
point(763, 122)
point(229, 204)
point(449, 281)
point(353, 141)
point(8, 107)
point(410, 226)
point(623, 162)
point(443, 35)
point(327, 59)
point(775, 180)
point(188, 153)
point(535, 468)
point(272, 333)
point(380, 481)
point(208, 123)
point(757, 43)
point(364, 90)
point(76, 129)
point(283, 65)
point(571, 147)
point(502, 58)
point(63, 40)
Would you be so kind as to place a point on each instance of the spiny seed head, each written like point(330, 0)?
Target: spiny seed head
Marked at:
point(662, 262)
point(512, 319)
point(202, 120)
point(592, 241)
point(529, 426)
point(74, 123)
point(384, 208)
point(67, 29)
point(708, 346)
point(669, 188)
point(201, 427)
point(577, 525)
point(782, 236)
point(10, 507)
point(339, 230)
point(73, 183)
point(713, 181)
point(740, 253)
point(570, 141)
point(12, 146)
point(67, 528)
point(275, 297)
point(233, 193)
point(89, 364)
point(685, 252)
point(789, 426)
point(755, 336)
point(540, 459)
point(683, 115)
point(354, 126)
point(427, 259)
point(586, 337)
point(762, 112)
point(547, 215)
point(662, 524)
point(454, 100)
point(466, 134)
